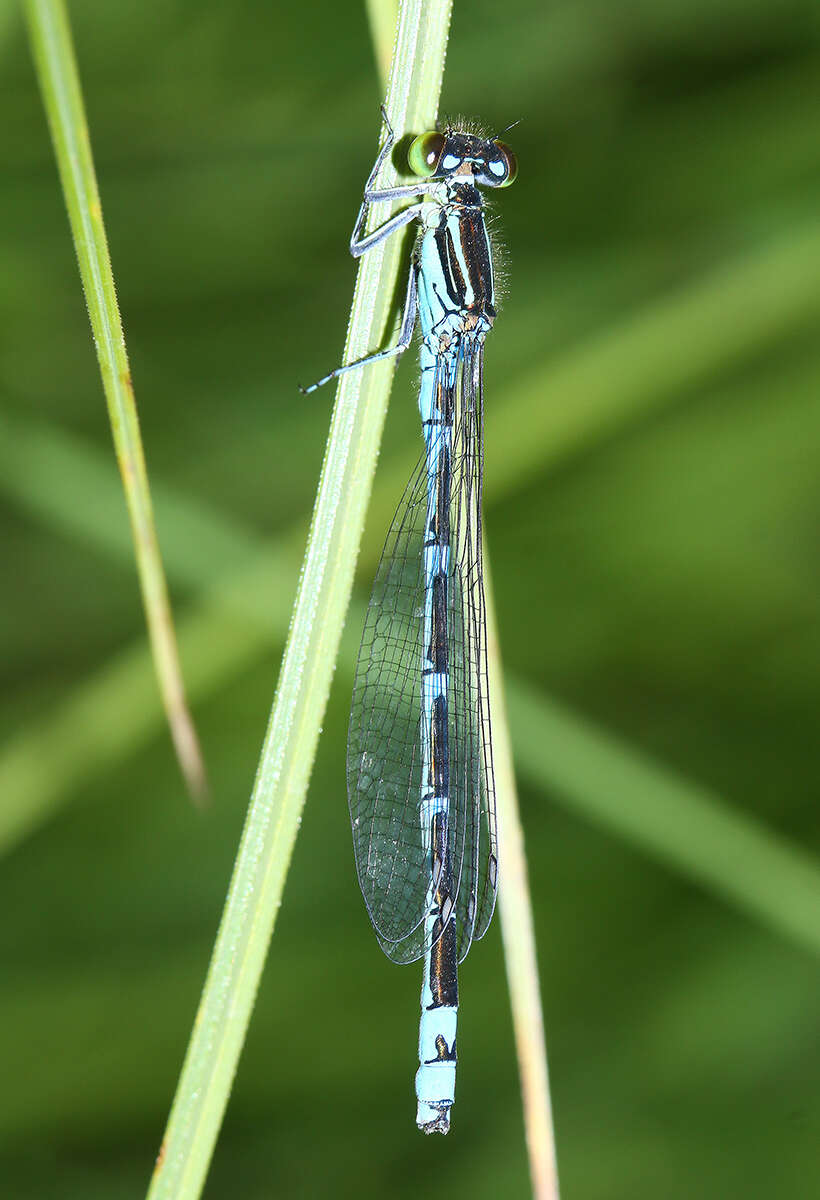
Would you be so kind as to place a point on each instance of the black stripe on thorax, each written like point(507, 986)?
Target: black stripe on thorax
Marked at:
point(474, 258)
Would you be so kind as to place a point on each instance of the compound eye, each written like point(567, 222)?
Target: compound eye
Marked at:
point(505, 167)
point(424, 153)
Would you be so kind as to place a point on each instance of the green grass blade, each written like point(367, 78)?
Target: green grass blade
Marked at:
point(718, 319)
point(115, 712)
point(518, 933)
point(307, 668)
point(60, 86)
point(676, 822)
point(381, 16)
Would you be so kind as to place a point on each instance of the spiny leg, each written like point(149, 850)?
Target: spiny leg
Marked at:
point(408, 322)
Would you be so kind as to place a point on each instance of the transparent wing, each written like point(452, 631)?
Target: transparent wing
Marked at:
point(384, 763)
point(479, 881)
point(384, 760)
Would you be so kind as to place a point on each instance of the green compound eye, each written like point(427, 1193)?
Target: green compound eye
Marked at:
point(425, 152)
point(511, 162)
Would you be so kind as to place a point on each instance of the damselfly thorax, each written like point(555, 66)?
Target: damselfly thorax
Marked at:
point(453, 261)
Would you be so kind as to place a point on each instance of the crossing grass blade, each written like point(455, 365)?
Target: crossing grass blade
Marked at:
point(678, 823)
point(57, 73)
point(590, 772)
point(518, 933)
point(307, 666)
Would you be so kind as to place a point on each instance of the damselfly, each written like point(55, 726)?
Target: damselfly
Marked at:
point(419, 759)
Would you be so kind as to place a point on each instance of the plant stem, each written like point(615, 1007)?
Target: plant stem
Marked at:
point(56, 67)
point(309, 659)
point(518, 933)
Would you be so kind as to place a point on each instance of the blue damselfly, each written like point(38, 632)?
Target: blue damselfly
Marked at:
point(419, 760)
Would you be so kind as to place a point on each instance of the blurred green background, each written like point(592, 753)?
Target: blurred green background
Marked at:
point(653, 531)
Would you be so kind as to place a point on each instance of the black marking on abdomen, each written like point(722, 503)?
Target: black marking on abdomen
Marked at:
point(443, 969)
point(437, 650)
point(443, 401)
point(443, 956)
point(439, 750)
point(444, 1053)
point(438, 530)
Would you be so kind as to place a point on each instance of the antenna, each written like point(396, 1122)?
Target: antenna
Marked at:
point(506, 129)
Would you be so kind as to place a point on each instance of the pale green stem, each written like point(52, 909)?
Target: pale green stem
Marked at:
point(381, 15)
point(518, 933)
point(60, 85)
point(310, 656)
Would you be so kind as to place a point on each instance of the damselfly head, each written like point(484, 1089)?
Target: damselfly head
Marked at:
point(484, 161)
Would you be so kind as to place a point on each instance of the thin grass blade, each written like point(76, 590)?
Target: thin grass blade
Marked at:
point(59, 81)
point(518, 934)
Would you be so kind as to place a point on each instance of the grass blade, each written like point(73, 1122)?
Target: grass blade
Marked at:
point(518, 934)
point(721, 318)
point(381, 16)
point(307, 667)
point(60, 86)
point(674, 820)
